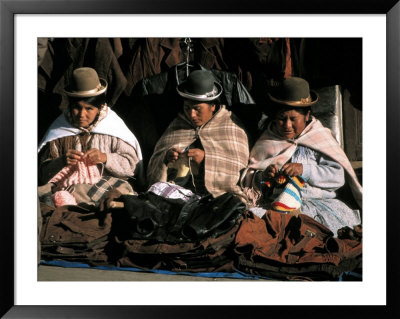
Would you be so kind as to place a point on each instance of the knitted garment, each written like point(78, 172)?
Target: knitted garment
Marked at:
point(290, 198)
point(80, 173)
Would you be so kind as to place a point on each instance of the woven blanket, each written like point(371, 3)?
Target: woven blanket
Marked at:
point(272, 149)
point(225, 145)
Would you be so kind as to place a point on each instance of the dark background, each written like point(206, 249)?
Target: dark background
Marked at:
point(141, 77)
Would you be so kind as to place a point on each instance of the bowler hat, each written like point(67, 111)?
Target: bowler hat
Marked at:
point(85, 83)
point(200, 85)
point(295, 92)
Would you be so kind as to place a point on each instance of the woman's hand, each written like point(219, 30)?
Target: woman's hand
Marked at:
point(172, 155)
point(196, 154)
point(95, 156)
point(72, 157)
point(270, 171)
point(292, 169)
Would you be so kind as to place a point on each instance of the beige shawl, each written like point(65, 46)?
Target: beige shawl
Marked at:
point(225, 145)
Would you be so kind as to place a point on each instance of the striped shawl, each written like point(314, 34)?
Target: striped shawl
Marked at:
point(225, 145)
point(272, 149)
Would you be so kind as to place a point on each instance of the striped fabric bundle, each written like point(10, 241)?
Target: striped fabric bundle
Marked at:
point(290, 198)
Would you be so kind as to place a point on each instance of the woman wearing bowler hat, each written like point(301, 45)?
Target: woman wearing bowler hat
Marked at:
point(88, 132)
point(297, 165)
point(204, 148)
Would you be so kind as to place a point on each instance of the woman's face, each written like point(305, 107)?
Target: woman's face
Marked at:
point(290, 124)
point(198, 113)
point(84, 114)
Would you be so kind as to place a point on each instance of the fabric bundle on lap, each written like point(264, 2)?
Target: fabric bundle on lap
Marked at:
point(169, 190)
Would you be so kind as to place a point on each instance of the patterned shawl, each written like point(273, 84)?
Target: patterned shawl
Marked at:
point(272, 149)
point(225, 145)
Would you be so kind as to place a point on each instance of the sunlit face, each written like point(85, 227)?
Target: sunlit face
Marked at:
point(291, 123)
point(84, 114)
point(198, 113)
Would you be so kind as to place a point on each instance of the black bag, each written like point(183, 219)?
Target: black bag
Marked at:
point(150, 216)
point(210, 217)
point(146, 216)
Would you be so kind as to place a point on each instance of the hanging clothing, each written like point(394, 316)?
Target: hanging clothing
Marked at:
point(261, 62)
point(209, 52)
point(148, 57)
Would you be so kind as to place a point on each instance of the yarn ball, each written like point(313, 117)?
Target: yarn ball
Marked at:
point(62, 198)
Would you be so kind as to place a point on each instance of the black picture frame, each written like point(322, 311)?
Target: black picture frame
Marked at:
point(8, 10)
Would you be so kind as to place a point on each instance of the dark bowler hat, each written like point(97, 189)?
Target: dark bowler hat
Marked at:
point(295, 92)
point(200, 85)
point(85, 83)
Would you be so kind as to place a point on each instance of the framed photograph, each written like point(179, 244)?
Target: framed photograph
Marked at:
point(23, 22)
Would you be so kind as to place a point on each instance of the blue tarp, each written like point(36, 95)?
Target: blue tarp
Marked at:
point(345, 276)
point(234, 275)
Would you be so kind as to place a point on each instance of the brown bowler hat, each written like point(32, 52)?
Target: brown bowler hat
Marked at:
point(85, 83)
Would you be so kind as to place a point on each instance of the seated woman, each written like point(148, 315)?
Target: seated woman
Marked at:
point(204, 148)
point(296, 148)
point(88, 144)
